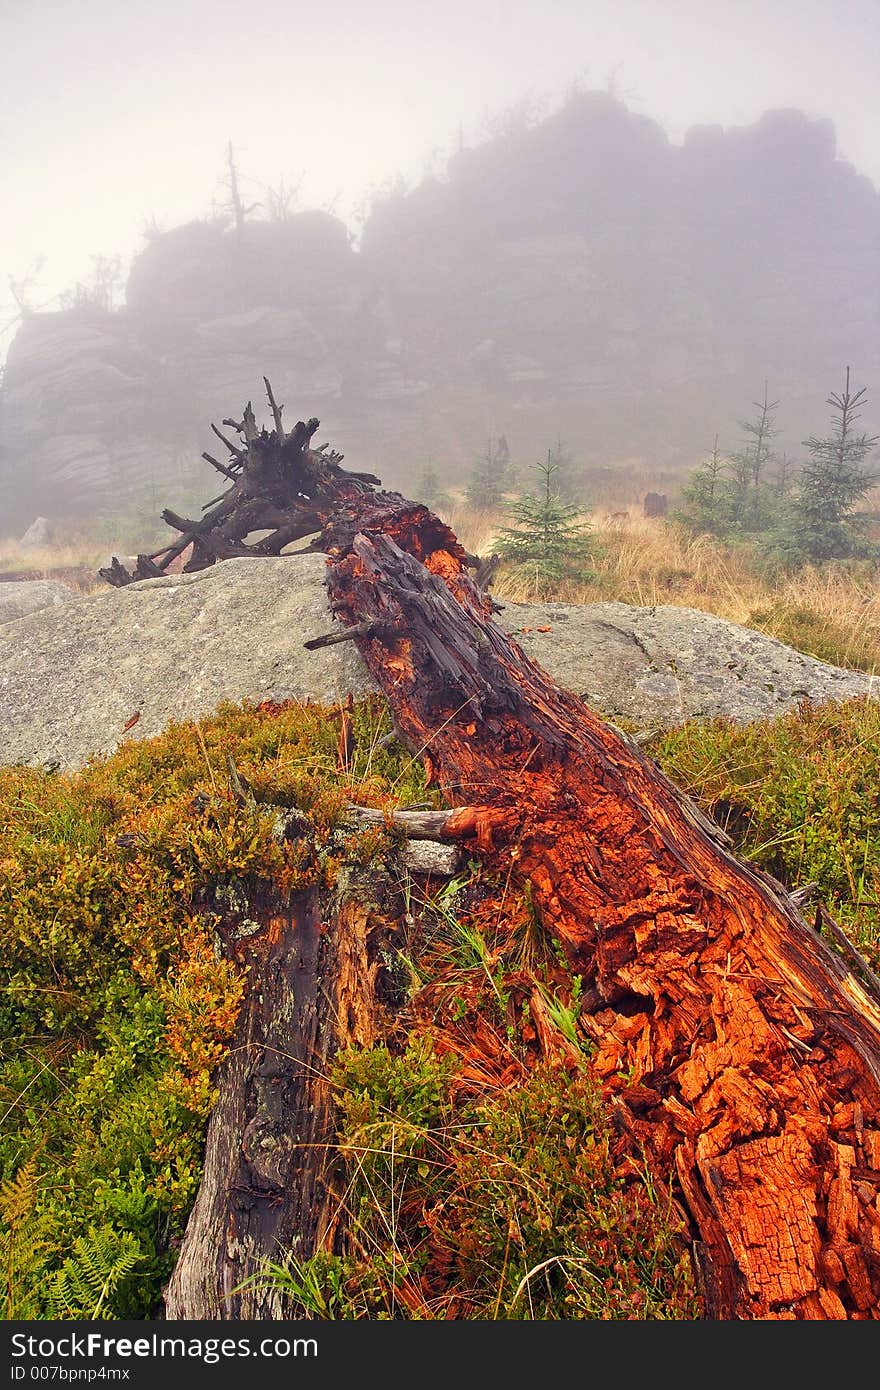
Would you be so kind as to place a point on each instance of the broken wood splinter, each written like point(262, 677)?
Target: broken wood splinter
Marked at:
point(348, 634)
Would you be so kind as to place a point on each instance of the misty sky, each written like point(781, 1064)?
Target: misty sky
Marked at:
point(115, 113)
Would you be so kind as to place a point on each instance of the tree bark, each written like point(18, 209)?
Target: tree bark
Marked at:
point(738, 1048)
point(739, 1051)
point(267, 1189)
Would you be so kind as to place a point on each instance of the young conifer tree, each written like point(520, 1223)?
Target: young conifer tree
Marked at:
point(428, 490)
point(783, 478)
point(428, 485)
point(491, 476)
point(746, 501)
point(702, 496)
point(568, 480)
point(831, 482)
point(548, 534)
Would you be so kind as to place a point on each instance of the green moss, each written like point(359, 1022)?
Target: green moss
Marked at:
point(115, 1010)
point(508, 1207)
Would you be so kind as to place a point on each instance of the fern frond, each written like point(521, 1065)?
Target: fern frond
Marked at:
point(89, 1276)
point(23, 1242)
point(18, 1195)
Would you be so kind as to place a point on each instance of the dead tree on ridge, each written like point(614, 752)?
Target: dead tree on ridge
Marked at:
point(740, 1051)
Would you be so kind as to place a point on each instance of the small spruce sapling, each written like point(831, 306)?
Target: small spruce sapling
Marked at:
point(491, 476)
point(832, 481)
point(548, 534)
point(746, 505)
point(569, 484)
point(428, 490)
point(702, 495)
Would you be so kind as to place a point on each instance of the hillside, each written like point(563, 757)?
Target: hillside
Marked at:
point(582, 277)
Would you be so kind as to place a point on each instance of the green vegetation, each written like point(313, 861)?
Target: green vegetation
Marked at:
point(502, 1208)
point(491, 476)
point(115, 1008)
point(118, 1010)
point(477, 1155)
point(567, 475)
point(429, 491)
point(794, 518)
point(800, 797)
point(832, 482)
point(549, 535)
point(747, 499)
point(703, 495)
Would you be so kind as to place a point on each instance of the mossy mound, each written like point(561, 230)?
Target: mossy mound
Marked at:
point(801, 797)
point(116, 1008)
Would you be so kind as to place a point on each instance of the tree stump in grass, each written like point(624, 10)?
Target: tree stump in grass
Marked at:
point(268, 1186)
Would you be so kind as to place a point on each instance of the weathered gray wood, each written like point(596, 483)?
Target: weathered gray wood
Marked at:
point(342, 634)
point(417, 825)
point(277, 484)
point(267, 1188)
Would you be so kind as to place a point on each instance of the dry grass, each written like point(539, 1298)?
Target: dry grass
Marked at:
point(75, 563)
point(831, 613)
point(477, 531)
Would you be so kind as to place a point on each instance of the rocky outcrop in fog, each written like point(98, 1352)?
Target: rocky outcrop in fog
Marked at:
point(583, 278)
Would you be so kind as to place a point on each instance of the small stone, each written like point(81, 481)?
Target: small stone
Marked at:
point(430, 857)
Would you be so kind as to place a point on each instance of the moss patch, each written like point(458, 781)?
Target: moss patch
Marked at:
point(116, 1008)
point(801, 797)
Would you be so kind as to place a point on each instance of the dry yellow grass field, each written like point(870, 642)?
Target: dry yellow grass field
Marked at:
point(832, 613)
point(75, 563)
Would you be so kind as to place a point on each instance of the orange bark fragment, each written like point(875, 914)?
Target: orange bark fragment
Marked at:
point(831, 1304)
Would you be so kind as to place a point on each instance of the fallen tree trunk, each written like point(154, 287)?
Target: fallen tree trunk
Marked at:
point(741, 1053)
point(737, 1045)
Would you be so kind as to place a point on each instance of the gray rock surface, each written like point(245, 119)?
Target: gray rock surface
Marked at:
point(23, 596)
point(173, 648)
point(660, 666)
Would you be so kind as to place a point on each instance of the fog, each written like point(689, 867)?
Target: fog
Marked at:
point(114, 116)
point(569, 219)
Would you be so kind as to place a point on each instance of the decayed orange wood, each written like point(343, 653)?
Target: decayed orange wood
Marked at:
point(740, 1052)
point(739, 1049)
